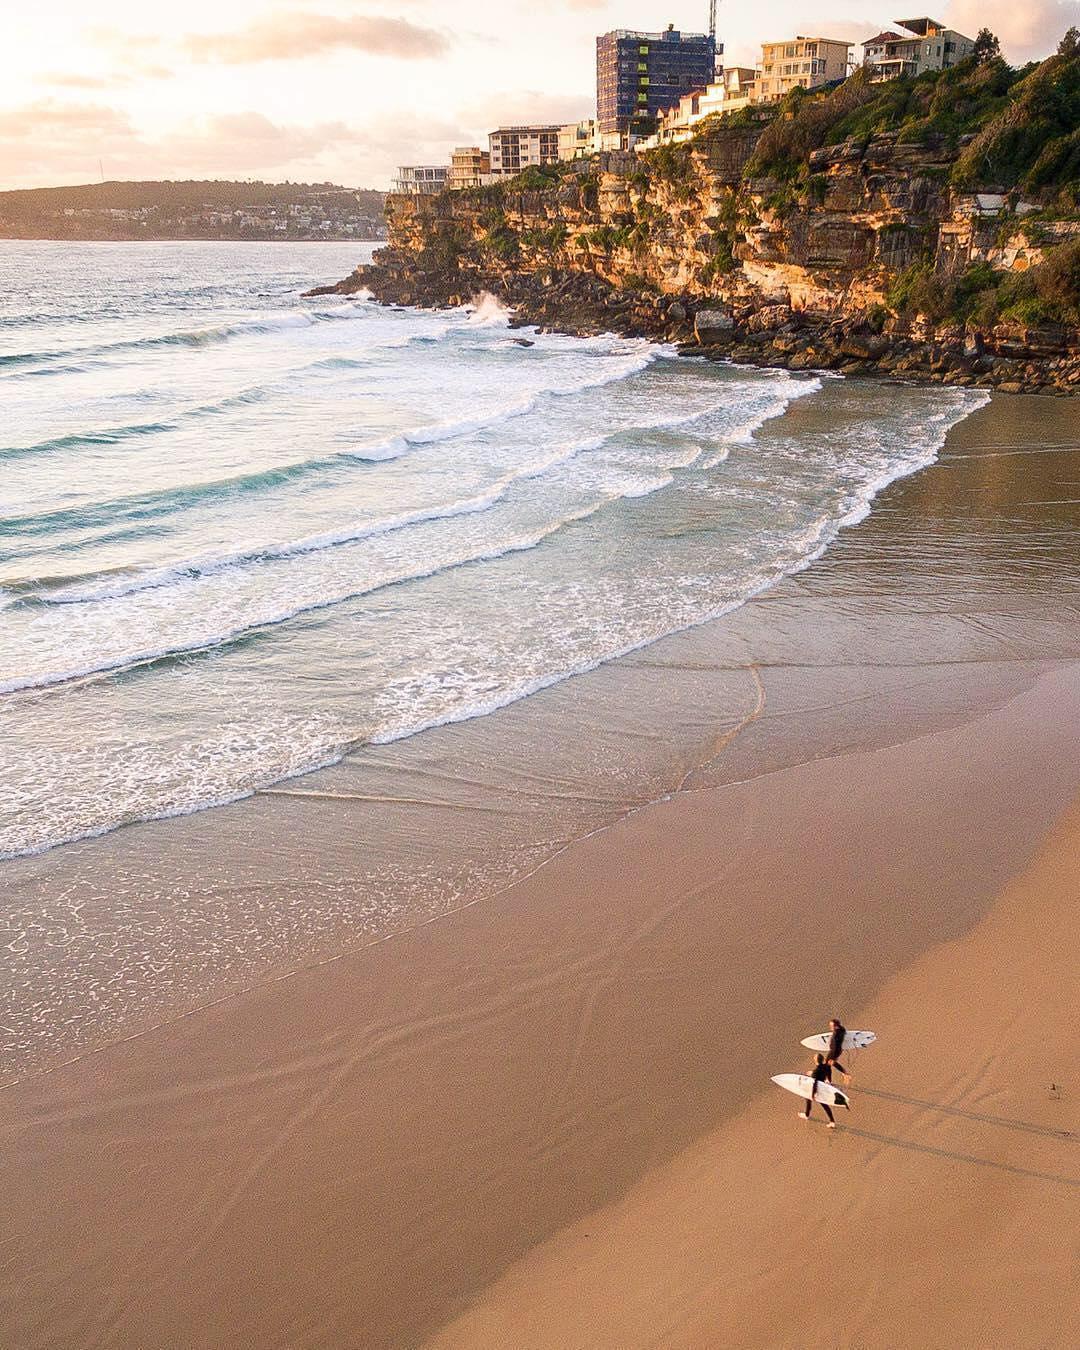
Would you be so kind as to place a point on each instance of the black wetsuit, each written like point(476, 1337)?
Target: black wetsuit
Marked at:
point(836, 1047)
point(820, 1073)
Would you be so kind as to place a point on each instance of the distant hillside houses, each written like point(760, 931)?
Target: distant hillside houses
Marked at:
point(654, 89)
point(192, 210)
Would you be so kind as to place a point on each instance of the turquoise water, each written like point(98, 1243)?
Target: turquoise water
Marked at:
point(242, 533)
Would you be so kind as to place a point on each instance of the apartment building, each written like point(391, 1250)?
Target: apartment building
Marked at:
point(806, 62)
point(740, 88)
point(577, 140)
point(515, 148)
point(470, 167)
point(640, 74)
point(734, 90)
point(924, 44)
point(421, 180)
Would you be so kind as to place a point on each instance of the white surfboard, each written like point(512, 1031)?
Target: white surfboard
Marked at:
point(853, 1040)
point(801, 1085)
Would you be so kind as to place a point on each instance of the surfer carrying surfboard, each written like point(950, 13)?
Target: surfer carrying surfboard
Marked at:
point(820, 1073)
point(837, 1032)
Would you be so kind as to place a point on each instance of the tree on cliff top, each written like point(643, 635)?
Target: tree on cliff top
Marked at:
point(986, 46)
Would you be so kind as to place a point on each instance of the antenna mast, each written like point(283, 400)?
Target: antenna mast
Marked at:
point(712, 30)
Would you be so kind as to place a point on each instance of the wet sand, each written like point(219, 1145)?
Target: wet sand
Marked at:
point(943, 1211)
point(421, 1130)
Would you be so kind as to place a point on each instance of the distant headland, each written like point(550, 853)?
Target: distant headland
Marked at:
point(194, 209)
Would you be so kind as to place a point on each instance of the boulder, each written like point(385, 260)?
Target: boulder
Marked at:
point(711, 325)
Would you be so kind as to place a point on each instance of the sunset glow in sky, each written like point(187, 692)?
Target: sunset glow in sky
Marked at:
point(344, 90)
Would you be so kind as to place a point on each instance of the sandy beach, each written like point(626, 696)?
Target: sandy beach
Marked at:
point(543, 1118)
point(943, 1212)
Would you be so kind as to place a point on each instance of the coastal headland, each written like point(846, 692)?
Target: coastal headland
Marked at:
point(192, 210)
point(923, 228)
point(545, 1119)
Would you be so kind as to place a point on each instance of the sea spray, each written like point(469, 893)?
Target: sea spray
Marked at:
point(336, 529)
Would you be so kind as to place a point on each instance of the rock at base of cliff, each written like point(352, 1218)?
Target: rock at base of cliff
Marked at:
point(712, 325)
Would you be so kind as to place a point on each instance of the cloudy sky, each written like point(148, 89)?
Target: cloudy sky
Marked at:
point(345, 89)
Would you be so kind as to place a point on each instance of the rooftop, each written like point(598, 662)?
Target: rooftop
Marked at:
point(921, 26)
point(887, 36)
point(669, 35)
point(802, 37)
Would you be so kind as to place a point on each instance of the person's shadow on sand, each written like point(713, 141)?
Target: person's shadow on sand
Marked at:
point(914, 1146)
point(1029, 1127)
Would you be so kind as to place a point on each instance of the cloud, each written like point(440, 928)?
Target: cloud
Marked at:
point(525, 107)
point(51, 142)
point(61, 80)
point(290, 37)
point(47, 140)
point(1027, 30)
point(47, 118)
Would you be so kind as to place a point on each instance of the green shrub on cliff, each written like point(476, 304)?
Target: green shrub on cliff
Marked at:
point(805, 123)
point(442, 251)
point(502, 242)
point(1049, 292)
point(546, 241)
point(1032, 141)
point(1023, 125)
point(607, 238)
point(670, 163)
point(535, 178)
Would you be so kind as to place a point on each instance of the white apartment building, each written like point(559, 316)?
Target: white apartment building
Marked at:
point(515, 148)
point(924, 44)
point(678, 123)
point(806, 62)
point(470, 167)
point(421, 180)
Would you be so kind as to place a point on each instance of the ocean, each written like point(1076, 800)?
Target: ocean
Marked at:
point(243, 533)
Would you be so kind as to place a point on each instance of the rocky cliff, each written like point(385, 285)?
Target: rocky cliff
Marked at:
point(864, 253)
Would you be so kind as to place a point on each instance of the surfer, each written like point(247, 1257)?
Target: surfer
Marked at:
point(837, 1032)
point(820, 1073)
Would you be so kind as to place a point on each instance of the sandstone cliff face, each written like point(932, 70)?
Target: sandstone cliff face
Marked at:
point(695, 227)
point(640, 244)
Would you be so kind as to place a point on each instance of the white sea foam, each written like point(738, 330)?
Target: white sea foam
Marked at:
point(528, 513)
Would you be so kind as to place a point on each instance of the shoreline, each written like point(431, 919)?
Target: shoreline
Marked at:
point(196, 927)
point(359, 1152)
point(583, 305)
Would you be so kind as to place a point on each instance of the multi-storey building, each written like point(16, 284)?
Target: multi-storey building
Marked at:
point(578, 139)
point(640, 74)
point(806, 62)
point(470, 167)
point(734, 90)
point(515, 148)
point(925, 44)
point(421, 180)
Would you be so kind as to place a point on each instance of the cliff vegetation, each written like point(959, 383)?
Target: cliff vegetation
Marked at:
point(929, 224)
